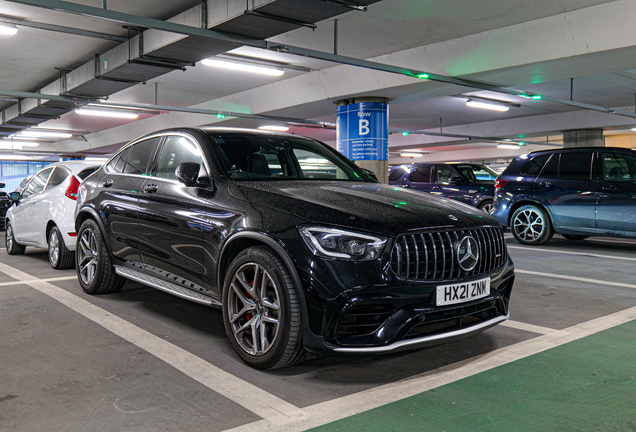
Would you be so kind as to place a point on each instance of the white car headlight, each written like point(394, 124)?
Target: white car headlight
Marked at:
point(337, 243)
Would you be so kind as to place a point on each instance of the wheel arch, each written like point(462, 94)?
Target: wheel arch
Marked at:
point(244, 239)
point(90, 213)
point(49, 226)
point(521, 203)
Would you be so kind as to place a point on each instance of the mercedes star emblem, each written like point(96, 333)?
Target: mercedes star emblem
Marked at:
point(467, 253)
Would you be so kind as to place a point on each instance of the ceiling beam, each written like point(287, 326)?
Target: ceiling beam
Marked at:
point(62, 29)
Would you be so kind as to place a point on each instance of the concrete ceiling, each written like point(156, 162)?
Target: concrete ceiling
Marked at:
point(543, 47)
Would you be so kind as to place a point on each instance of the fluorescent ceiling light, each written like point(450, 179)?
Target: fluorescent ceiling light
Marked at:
point(106, 113)
point(18, 137)
point(634, 129)
point(488, 106)
point(274, 128)
point(8, 29)
point(96, 159)
point(411, 155)
point(243, 67)
point(15, 157)
point(22, 143)
point(44, 134)
point(508, 146)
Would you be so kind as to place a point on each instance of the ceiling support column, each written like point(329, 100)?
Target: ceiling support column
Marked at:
point(583, 138)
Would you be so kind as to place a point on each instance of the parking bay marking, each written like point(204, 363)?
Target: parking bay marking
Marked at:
point(571, 278)
point(336, 409)
point(572, 253)
point(23, 282)
point(249, 396)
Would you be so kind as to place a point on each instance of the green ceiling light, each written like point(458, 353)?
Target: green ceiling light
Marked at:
point(536, 97)
point(220, 116)
point(422, 76)
point(405, 133)
point(521, 143)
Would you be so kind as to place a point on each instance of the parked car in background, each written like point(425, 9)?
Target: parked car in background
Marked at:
point(469, 183)
point(43, 214)
point(576, 192)
point(297, 245)
point(23, 184)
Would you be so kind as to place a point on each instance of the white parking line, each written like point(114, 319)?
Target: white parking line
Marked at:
point(252, 398)
point(527, 327)
point(22, 282)
point(357, 403)
point(571, 278)
point(571, 253)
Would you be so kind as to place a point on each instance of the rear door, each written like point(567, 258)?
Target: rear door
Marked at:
point(444, 187)
point(616, 209)
point(420, 178)
point(172, 219)
point(566, 188)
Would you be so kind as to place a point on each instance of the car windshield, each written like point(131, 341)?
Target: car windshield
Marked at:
point(269, 157)
point(476, 172)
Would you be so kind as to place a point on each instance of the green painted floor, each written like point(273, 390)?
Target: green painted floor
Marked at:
point(586, 385)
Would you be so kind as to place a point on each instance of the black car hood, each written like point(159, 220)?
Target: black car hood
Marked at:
point(372, 207)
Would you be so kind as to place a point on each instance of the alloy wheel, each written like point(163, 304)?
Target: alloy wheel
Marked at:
point(88, 256)
point(54, 248)
point(9, 234)
point(253, 312)
point(488, 208)
point(529, 225)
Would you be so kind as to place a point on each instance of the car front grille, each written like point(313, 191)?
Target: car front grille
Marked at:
point(432, 256)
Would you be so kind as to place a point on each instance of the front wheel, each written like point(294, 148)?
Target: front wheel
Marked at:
point(13, 248)
point(487, 206)
point(59, 255)
point(95, 270)
point(530, 225)
point(261, 310)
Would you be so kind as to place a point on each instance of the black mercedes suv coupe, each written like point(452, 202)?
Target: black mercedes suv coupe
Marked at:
point(301, 249)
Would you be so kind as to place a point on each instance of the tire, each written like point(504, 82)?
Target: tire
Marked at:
point(487, 206)
point(13, 248)
point(95, 271)
point(59, 255)
point(279, 339)
point(574, 237)
point(530, 225)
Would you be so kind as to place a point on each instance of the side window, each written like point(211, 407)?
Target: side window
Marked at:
point(86, 172)
point(618, 167)
point(534, 165)
point(177, 150)
point(37, 184)
point(422, 174)
point(552, 168)
point(57, 178)
point(140, 156)
point(444, 173)
point(575, 166)
point(396, 173)
point(116, 165)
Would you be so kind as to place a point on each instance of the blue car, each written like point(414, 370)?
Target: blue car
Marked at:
point(576, 192)
point(469, 183)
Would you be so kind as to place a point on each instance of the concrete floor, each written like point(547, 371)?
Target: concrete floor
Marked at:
point(143, 360)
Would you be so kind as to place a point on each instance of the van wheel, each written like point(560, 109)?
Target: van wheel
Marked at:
point(531, 225)
point(59, 255)
point(261, 310)
point(95, 270)
point(13, 248)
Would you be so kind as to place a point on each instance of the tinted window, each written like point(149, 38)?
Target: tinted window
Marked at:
point(444, 173)
point(534, 165)
point(57, 178)
point(422, 174)
point(140, 156)
point(116, 165)
point(37, 184)
point(396, 173)
point(552, 168)
point(177, 150)
point(575, 166)
point(476, 172)
point(619, 167)
point(85, 173)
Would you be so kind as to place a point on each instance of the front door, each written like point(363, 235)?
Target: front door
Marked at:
point(616, 209)
point(26, 216)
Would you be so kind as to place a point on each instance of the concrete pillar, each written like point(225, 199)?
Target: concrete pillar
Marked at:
point(379, 166)
point(583, 138)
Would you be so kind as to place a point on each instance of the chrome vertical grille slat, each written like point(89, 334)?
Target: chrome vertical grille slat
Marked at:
point(432, 256)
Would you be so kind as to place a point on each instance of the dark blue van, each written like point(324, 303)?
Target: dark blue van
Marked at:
point(576, 192)
point(470, 183)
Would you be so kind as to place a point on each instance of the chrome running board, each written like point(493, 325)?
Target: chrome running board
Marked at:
point(425, 340)
point(166, 286)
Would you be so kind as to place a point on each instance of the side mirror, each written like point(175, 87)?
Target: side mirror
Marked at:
point(188, 173)
point(1, 185)
point(14, 196)
point(370, 173)
point(455, 180)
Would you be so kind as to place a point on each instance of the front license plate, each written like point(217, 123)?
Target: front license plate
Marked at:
point(462, 292)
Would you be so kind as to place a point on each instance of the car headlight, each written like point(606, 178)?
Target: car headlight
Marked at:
point(337, 243)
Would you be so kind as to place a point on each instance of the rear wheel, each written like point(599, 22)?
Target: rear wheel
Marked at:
point(95, 270)
point(59, 255)
point(487, 206)
point(574, 236)
point(531, 225)
point(261, 310)
point(9, 240)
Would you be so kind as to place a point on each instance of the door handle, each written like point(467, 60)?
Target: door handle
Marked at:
point(151, 188)
point(108, 183)
point(610, 188)
point(545, 184)
point(436, 188)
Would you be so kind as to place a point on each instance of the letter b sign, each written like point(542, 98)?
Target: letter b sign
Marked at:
point(364, 127)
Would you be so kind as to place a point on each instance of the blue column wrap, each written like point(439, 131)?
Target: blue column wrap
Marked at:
point(363, 131)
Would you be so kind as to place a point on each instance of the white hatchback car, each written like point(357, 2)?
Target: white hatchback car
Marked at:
point(43, 215)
